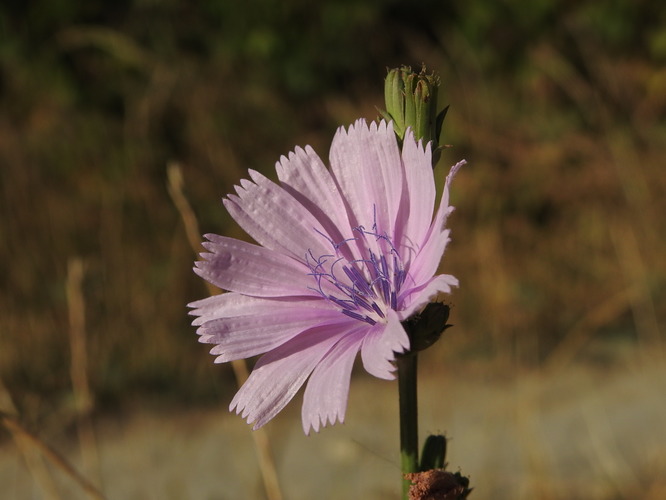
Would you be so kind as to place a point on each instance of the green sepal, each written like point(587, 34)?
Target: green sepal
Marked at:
point(433, 455)
point(439, 122)
point(425, 328)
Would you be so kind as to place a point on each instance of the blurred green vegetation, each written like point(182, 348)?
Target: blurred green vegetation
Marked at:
point(559, 107)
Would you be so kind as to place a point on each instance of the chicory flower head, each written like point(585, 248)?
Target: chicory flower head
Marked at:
point(343, 257)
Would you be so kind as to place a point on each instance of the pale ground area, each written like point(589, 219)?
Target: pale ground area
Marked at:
point(581, 433)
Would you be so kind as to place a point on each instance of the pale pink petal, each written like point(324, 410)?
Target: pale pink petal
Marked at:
point(325, 397)
point(229, 305)
point(234, 305)
point(418, 297)
point(444, 209)
point(279, 374)
point(275, 219)
point(242, 267)
point(418, 199)
point(223, 305)
point(305, 177)
point(381, 343)
point(246, 336)
point(445, 194)
point(366, 164)
point(424, 265)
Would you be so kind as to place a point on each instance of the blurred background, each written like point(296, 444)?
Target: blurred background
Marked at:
point(559, 236)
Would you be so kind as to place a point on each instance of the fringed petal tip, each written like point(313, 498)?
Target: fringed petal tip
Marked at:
point(236, 408)
point(199, 320)
point(318, 422)
point(199, 265)
point(452, 281)
point(206, 338)
point(409, 138)
point(454, 170)
point(251, 419)
point(361, 126)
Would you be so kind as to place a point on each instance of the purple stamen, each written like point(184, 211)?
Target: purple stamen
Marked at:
point(360, 301)
point(382, 262)
point(345, 304)
point(361, 283)
point(357, 316)
point(376, 308)
point(371, 286)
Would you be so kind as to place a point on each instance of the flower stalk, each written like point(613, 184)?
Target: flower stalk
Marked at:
point(411, 103)
point(409, 429)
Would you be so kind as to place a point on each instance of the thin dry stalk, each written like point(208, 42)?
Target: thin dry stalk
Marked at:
point(635, 270)
point(31, 455)
point(17, 429)
point(493, 283)
point(581, 332)
point(83, 398)
point(260, 437)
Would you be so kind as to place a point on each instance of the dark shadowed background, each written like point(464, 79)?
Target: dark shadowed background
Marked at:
point(559, 236)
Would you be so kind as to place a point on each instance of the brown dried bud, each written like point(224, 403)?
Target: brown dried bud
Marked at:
point(437, 484)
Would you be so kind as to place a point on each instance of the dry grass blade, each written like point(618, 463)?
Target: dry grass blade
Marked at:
point(77, 336)
point(260, 437)
point(31, 455)
point(636, 272)
point(20, 432)
point(83, 398)
point(581, 332)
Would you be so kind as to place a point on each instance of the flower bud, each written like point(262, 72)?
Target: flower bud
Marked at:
point(438, 484)
point(411, 101)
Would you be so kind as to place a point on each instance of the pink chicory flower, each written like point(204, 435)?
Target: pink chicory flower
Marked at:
point(344, 256)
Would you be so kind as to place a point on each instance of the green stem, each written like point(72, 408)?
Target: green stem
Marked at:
point(409, 428)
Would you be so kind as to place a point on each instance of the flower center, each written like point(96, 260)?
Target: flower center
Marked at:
point(363, 288)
